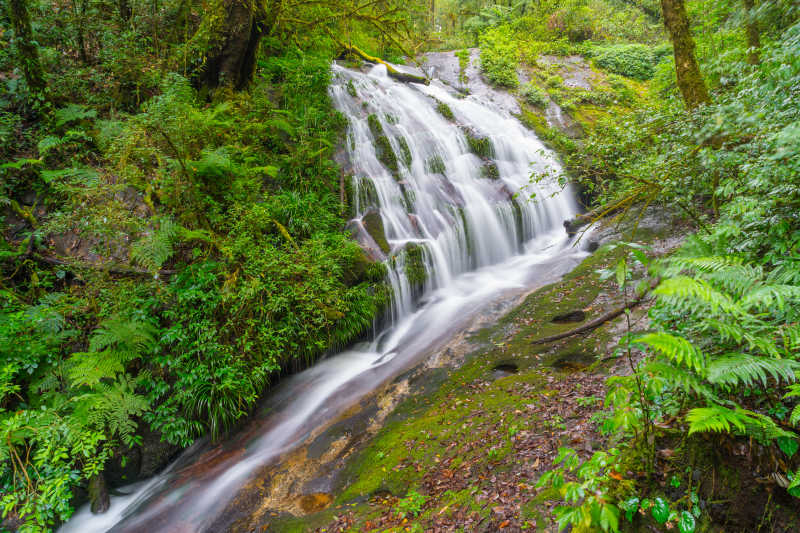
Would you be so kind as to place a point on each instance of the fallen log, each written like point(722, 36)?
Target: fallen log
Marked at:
point(113, 270)
point(399, 75)
point(602, 319)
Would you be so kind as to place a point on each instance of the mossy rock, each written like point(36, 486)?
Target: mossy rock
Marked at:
point(490, 170)
point(414, 261)
point(364, 268)
point(373, 223)
point(480, 146)
point(435, 165)
point(415, 265)
point(405, 151)
point(351, 89)
point(365, 192)
point(386, 155)
point(445, 110)
point(375, 125)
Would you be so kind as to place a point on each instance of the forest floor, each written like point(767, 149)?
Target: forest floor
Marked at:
point(465, 453)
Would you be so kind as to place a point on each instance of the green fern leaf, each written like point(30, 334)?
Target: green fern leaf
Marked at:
point(744, 369)
point(715, 419)
point(674, 348)
point(699, 290)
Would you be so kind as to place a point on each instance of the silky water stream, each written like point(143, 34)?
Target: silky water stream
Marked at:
point(460, 231)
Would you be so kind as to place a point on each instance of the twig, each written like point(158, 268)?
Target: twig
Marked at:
point(599, 321)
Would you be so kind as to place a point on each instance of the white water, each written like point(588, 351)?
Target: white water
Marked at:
point(477, 246)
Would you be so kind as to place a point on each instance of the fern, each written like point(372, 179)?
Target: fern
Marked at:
point(697, 289)
point(744, 369)
point(674, 348)
point(717, 419)
point(112, 346)
point(73, 113)
point(111, 406)
point(156, 248)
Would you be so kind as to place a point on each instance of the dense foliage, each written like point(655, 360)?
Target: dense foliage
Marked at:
point(168, 249)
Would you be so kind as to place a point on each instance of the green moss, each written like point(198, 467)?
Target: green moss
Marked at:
point(415, 265)
point(445, 110)
point(435, 164)
point(373, 223)
point(490, 171)
point(405, 151)
point(375, 125)
point(351, 89)
point(480, 146)
point(386, 155)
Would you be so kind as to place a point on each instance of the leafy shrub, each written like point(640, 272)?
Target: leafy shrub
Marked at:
point(534, 95)
point(635, 61)
point(499, 58)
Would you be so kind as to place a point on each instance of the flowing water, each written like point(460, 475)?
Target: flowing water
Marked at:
point(460, 235)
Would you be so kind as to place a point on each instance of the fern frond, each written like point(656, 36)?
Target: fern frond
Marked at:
point(717, 419)
point(768, 296)
point(739, 368)
point(125, 335)
point(112, 346)
point(663, 373)
point(155, 249)
point(674, 348)
point(726, 330)
point(699, 290)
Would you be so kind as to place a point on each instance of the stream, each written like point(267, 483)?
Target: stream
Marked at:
point(459, 233)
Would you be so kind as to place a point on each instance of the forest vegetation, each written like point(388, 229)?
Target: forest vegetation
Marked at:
point(172, 225)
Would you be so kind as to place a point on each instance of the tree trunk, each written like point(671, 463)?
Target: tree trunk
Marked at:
point(28, 54)
point(690, 81)
point(125, 11)
point(753, 36)
point(232, 33)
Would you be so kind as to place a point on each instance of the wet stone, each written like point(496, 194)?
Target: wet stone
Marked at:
point(577, 315)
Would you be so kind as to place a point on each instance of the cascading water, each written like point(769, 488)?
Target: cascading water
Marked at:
point(454, 236)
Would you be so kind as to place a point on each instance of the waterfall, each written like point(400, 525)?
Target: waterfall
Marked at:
point(445, 202)
point(443, 171)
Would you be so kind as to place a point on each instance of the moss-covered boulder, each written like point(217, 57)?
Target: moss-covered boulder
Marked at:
point(373, 224)
point(98, 494)
point(480, 146)
point(383, 147)
point(490, 170)
point(405, 151)
point(445, 110)
point(435, 164)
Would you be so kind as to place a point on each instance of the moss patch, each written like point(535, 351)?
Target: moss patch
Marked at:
point(480, 146)
point(445, 110)
point(373, 223)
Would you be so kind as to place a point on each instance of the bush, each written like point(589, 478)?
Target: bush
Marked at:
point(499, 58)
point(635, 61)
point(534, 95)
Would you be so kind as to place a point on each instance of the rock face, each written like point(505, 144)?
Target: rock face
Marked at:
point(373, 224)
point(98, 494)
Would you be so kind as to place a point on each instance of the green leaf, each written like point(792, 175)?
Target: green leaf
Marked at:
point(630, 506)
point(686, 523)
point(660, 510)
point(609, 517)
point(621, 272)
point(788, 445)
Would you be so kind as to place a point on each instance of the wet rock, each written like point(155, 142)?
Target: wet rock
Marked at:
point(478, 145)
point(98, 494)
point(573, 316)
point(312, 503)
point(503, 370)
point(373, 224)
point(490, 170)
